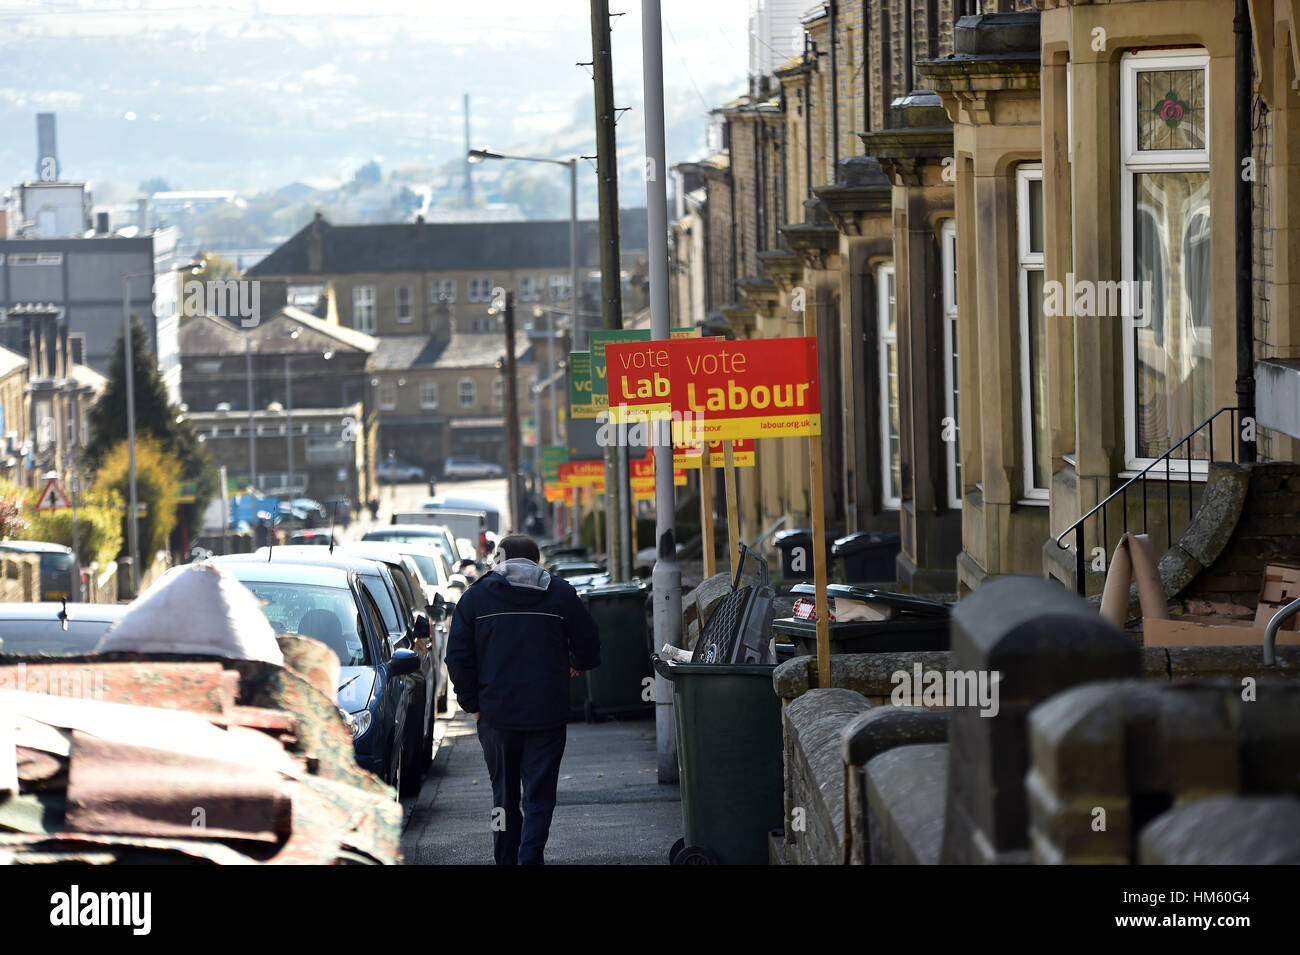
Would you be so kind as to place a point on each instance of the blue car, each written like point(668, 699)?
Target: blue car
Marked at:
point(380, 693)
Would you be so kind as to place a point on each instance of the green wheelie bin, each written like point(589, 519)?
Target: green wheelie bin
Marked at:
point(729, 748)
point(618, 687)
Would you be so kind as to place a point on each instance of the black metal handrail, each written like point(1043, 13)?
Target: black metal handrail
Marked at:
point(1080, 573)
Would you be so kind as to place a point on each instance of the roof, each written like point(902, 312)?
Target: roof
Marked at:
point(34, 547)
point(462, 350)
point(292, 571)
point(443, 247)
point(88, 377)
point(208, 335)
point(50, 610)
point(10, 361)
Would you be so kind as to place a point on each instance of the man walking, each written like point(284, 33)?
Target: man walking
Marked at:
point(518, 636)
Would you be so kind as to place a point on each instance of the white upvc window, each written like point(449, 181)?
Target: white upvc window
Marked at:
point(891, 446)
point(951, 431)
point(1165, 229)
point(560, 286)
point(442, 290)
point(387, 396)
point(428, 394)
point(402, 300)
point(480, 289)
point(467, 393)
point(363, 308)
point(530, 290)
point(498, 392)
point(1035, 435)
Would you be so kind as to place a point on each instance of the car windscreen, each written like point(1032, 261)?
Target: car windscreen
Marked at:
point(327, 614)
point(428, 567)
point(48, 636)
point(56, 563)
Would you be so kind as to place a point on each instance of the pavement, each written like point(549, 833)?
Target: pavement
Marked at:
point(611, 809)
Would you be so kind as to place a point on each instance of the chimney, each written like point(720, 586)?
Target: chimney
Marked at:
point(101, 223)
point(47, 149)
point(142, 214)
point(315, 245)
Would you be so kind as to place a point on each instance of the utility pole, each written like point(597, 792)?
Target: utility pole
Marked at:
point(667, 576)
point(512, 414)
point(618, 509)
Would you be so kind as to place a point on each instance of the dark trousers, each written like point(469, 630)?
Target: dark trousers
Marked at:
point(527, 762)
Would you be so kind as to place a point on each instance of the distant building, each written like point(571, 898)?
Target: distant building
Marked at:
point(47, 210)
point(299, 367)
point(83, 278)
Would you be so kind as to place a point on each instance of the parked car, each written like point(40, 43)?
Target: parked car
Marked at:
point(464, 502)
point(466, 469)
point(409, 612)
point(381, 691)
point(315, 538)
point(393, 470)
point(57, 566)
point(58, 627)
point(436, 534)
point(469, 524)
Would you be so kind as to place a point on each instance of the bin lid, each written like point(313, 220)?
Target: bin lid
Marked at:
point(781, 537)
point(863, 540)
point(622, 588)
point(907, 603)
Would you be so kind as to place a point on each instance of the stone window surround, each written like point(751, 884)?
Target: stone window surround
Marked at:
point(883, 339)
point(1027, 260)
point(1133, 162)
point(363, 308)
point(952, 449)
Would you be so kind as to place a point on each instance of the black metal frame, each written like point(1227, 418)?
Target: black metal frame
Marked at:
point(1080, 564)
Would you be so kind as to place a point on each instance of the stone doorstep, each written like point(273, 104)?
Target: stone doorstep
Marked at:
point(906, 791)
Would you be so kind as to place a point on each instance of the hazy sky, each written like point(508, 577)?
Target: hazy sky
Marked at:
point(268, 90)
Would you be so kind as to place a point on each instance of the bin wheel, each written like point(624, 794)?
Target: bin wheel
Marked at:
point(588, 711)
point(696, 855)
point(678, 846)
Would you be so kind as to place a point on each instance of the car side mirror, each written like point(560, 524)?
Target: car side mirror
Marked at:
point(439, 608)
point(404, 662)
point(422, 628)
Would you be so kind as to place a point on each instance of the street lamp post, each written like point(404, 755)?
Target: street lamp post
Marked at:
point(479, 155)
point(288, 404)
point(133, 524)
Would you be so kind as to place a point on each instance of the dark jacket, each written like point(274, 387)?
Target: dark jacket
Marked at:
point(514, 636)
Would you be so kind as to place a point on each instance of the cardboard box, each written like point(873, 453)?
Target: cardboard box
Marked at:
point(1193, 631)
point(1281, 586)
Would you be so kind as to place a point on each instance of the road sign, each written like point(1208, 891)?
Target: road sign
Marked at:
point(52, 497)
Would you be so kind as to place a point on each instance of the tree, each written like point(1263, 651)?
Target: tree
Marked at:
point(155, 416)
point(157, 479)
point(99, 525)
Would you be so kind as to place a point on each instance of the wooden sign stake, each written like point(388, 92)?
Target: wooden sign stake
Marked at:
point(706, 517)
point(733, 507)
point(818, 532)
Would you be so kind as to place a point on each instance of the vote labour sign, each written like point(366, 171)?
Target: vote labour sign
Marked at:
point(638, 381)
point(642, 478)
point(599, 342)
point(765, 388)
point(692, 456)
point(581, 473)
